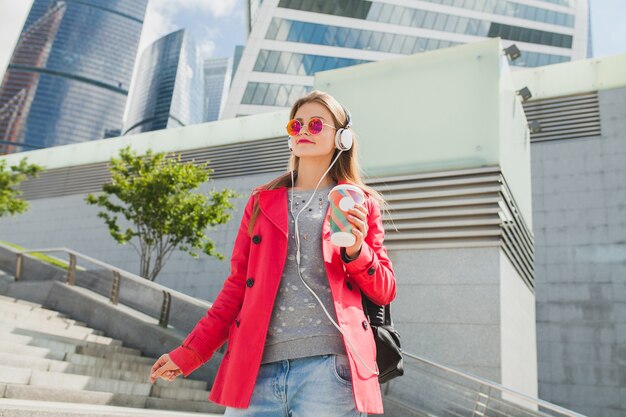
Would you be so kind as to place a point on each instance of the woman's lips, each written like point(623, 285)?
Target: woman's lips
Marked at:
point(304, 141)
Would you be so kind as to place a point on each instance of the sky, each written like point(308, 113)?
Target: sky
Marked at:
point(218, 25)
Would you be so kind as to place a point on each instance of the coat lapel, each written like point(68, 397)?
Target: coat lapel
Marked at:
point(273, 206)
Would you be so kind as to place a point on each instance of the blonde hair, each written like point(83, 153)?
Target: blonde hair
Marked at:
point(346, 167)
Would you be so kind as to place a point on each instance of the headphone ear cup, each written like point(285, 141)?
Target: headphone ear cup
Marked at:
point(343, 139)
point(289, 143)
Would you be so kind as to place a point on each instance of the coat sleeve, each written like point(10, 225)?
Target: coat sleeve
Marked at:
point(211, 331)
point(372, 269)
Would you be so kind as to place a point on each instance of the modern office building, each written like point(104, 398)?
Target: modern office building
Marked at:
point(217, 77)
point(290, 40)
point(68, 77)
point(169, 87)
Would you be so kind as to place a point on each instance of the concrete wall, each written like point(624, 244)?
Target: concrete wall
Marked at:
point(579, 206)
point(68, 221)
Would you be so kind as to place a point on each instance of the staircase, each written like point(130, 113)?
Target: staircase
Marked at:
point(51, 365)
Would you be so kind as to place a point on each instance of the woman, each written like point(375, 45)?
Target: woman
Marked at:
point(291, 310)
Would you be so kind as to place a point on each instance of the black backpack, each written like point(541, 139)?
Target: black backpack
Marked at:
point(388, 351)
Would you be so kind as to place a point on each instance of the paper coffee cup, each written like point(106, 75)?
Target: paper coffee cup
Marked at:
point(342, 198)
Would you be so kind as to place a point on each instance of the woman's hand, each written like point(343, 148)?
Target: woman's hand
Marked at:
point(358, 217)
point(164, 368)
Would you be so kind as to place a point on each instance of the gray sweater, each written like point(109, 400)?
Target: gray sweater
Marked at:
point(299, 327)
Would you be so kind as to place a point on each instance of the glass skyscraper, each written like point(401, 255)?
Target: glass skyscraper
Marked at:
point(69, 74)
point(290, 40)
point(217, 76)
point(168, 90)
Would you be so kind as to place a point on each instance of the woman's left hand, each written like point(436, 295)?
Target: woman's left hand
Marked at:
point(358, 217)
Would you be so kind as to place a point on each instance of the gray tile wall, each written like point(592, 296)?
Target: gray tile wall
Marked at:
point(579, 211)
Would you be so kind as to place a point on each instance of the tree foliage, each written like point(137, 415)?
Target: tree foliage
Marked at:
point(10, 179)
point(155, 194)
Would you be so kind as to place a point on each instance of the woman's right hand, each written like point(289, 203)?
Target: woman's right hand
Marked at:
point(164, 368)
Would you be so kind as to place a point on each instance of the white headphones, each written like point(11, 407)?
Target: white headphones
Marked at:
point(343, 135)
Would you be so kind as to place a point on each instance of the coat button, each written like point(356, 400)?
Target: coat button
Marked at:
point(256, 239)
point(250, 282)
point(237, 322)
point(365, 325)
point(349, 285)
point(371, 271)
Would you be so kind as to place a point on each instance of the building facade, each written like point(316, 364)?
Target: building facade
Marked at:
point(217, 77)
point(290, 40)
point(168, 89)
point(68, 78)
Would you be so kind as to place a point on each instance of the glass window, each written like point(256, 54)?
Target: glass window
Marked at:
point(272, 59)
point(330, 35)
point(351, 39)
point(409, 44)
point(283, 96)
point(295, 66)
point(541, 15)
point(515, 32)
point(364, 39)
point(531, 13)
point(273, 28)
point(295, 92)
point(461, 26)
point(249, 93)
point(561, 19)
point(502, 7)
point(308, 63)
point(418, 18)
point(318, 35)
point(270, 96)
point(342, 35)
point(451, 24)
point(385, 44)
point(344, 62)
point(396, 45)
point(524, 35)
point(480, 5)
point(283, 30)
point(407, 17)
point(473, 28)
point(294, 32)
point(259, 94)
point(260, 61)
point(566, 41)
point(385, 13)
point(421, 45)
point(307, 33)
point(535, 36)
point(374, 11)
point(440, 21)
point(375, 40)
point(281, 64)
point(396, 15)
point(329, 63)
point(432, 44)
point(429, 21)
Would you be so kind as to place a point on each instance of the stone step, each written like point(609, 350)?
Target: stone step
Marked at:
point(25, 376)
point(176, 393)
point(39, 317)
point(41, 352)
point(60, 324)
point(69, 345)
point(28, 392)
point(17, 307)
point(63, 334)
point(27, 408)
point(17, 300)
point(125, 374)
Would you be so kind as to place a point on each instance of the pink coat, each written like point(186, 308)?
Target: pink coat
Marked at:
point(242, 310)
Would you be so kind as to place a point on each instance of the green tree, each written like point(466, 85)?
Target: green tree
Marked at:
point(10, 201)
point(154, 193)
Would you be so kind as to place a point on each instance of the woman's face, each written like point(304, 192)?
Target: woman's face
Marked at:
point(307, 145)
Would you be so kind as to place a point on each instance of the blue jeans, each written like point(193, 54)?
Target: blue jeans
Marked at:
point(314, 386)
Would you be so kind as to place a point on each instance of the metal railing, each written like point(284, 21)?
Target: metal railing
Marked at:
point(117, 274)
point(441, 390)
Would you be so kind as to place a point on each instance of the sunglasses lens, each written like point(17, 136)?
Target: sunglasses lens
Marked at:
point(315, 126)
point(293, 127)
